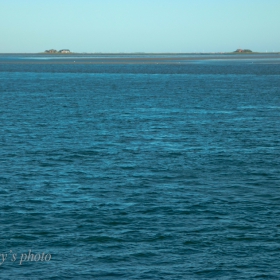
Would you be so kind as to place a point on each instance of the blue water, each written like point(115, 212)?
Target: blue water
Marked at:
point(140, 171)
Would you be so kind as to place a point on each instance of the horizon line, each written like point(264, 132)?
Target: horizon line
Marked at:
point(218, 52)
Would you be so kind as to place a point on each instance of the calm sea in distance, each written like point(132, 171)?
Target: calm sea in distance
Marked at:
point(140, 167)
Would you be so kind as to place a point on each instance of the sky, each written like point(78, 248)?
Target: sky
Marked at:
point(28, 26)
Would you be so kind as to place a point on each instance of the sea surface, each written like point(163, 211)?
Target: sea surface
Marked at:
point(139, 167)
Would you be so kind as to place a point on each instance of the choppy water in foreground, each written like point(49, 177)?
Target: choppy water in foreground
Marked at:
point(135, 171)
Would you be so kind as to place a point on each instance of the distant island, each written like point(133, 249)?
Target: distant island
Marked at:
point(242, 51)
point(53, 51)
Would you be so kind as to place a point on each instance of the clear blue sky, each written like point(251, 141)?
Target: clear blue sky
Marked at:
point(139, 25)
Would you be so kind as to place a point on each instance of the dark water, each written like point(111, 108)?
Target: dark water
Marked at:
point(140, 171)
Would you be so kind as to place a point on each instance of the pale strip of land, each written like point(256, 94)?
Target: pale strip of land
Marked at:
point(131, 58)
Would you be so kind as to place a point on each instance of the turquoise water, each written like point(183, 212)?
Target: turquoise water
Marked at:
point(139, 171)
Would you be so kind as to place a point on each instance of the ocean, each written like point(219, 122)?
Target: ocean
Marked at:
point(139, 167)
